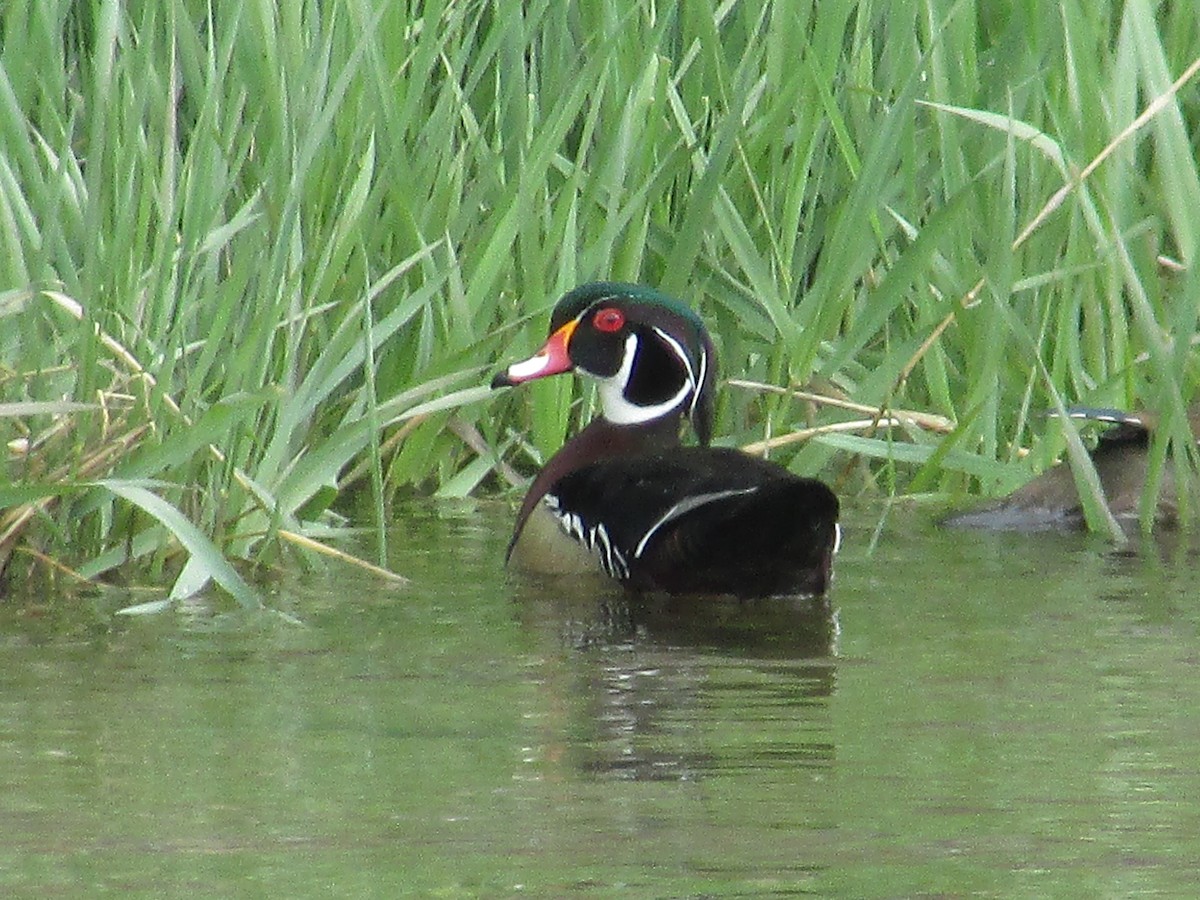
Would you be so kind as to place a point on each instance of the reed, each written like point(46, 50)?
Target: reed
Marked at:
point(256, 257)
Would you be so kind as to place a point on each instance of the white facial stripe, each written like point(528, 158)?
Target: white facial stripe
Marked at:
point(684, 360)
point(695, 383)
point(699, 386)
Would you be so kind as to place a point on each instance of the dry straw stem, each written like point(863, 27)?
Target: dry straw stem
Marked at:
point(316, 546)
point(879, 418)
point(16, 520)
point(804, 434)
point(927, 421)
point(1152, 109)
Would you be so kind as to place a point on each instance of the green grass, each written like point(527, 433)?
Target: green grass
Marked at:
point(258, 258)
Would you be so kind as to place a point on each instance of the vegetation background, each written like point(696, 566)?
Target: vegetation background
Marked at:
point(258, 260)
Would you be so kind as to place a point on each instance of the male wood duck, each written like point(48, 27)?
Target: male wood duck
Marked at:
point(1051, 500)
point(624, 495)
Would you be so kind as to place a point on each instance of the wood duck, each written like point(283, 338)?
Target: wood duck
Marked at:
point(653, 514)
point(1051, 500)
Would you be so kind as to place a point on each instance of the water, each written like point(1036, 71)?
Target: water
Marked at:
point(970, 715)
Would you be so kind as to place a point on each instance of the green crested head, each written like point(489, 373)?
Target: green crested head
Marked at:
point(650, 353)
point(576, 301)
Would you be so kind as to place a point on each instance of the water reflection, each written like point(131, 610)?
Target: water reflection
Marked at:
point(587, 613)
point(667, 688)
point(976, 714)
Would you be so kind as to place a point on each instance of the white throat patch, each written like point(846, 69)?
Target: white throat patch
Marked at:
point(620, 411)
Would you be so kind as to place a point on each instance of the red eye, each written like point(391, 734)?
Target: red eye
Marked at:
point(609, 319)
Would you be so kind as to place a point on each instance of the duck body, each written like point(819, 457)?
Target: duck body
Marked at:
point(701, 520)
point(642, 508)
point(1051, 501)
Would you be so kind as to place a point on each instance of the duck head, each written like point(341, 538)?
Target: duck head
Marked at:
point(650, 355)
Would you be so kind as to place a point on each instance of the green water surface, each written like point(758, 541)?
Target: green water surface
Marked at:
point(969, 715)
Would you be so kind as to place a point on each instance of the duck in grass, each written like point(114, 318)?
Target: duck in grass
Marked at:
point(625, 497)
point(1051, 501)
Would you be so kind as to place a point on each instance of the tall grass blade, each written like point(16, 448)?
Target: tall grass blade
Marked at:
point(205, 559)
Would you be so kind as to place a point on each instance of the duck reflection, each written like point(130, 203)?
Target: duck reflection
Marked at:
point(671, 688)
